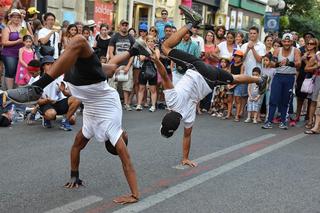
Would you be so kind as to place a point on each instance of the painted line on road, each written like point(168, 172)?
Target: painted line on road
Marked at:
point(226, 151)
point(73, 206)
point(186, 185)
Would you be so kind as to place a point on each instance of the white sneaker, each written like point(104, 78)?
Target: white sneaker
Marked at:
point(127, 107)
point(139, 108)
point(255, 121)
point(152, 109)
point(248, 120)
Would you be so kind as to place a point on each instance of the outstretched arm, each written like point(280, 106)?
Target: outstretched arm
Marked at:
point(166, 82)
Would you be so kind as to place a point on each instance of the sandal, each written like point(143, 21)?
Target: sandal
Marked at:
point(311, 132)
point(308, 126)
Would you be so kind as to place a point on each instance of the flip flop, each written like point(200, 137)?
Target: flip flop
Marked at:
point(311, 132)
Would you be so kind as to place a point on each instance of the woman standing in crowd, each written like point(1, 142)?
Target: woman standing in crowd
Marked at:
point(12, 42)
point(154, 32)
point(208, 57)
point(72, 31)
point(143, 32)
point(25, 25)
point(102, 41)
point(312, 66)
point(226, 48)
point(239, 39)
point(26, 54)
point(148, 64)
point(276, 44)
point(133, 32)
point(36, 26)
point(268, 42)
point(316, 128)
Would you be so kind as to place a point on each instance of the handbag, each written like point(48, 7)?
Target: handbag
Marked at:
point(121, 75)
point(307, 85)
point(47, 49)
point(148, 70)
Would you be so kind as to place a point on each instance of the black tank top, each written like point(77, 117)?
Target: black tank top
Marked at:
point(86, 71)
point(236, 70)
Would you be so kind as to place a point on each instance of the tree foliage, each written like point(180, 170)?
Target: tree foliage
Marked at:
point(304, 15)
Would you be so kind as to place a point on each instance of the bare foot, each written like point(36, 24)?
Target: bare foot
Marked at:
point(189, 163)
point(126, 199)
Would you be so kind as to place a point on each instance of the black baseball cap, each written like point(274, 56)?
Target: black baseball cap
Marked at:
point(4, 121)
point(309, 33)
point(170, 123)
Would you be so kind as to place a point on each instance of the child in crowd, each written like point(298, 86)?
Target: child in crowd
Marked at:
point(220, 92)
point(240, 91)
point(34, 71)
point(269, 71)
point(26, 54)
point(254, 99)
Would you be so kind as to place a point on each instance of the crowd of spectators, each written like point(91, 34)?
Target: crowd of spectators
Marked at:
point(291, 61)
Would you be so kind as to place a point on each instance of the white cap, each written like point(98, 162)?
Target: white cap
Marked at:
point(287, 36)
point(16, 11)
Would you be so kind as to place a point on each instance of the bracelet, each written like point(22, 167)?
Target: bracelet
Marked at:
point(74, 174)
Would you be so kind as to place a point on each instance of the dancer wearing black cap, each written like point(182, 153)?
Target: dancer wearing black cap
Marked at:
point(197, 82)
point(102, 116)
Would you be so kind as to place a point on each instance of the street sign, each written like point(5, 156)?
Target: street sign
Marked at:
point(271, 22)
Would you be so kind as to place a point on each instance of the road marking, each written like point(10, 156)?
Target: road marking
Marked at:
point(73, 206)
point(186, 185)
point(226, 151)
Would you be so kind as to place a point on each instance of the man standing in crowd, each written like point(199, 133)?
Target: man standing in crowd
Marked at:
point(119, 43)
point(198, 39)
point(188, 46)
point(220, 35)
point(160, 24)
point(287, 60)
point(253, 50)
point(47, 35)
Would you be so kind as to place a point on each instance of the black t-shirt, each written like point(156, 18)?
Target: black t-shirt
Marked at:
point(121, 44)
point(86, 71)
point(236, 70)
point(102, 46)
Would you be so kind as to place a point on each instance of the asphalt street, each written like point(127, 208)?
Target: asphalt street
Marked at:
point(242, 169)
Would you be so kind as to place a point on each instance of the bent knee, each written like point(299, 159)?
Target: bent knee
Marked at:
point(50, 114)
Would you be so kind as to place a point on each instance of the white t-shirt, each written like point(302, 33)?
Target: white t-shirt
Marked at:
point(32, 80)
point(200, 42)
point(224, 52)
point(102, 115)
point(183, 98)
point(52, 90)
point(43, 33)
point(250, 61)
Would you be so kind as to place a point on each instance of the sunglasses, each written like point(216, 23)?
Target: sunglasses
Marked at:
point(153, 31)
point(143, 31)
point(311, 43)
point(164, 13)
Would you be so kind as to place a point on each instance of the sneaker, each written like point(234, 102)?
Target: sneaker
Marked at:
point(141, 48)
point(263, 84)
point(276, 120)
point(191, 15)
point(152, 109)
point(255, 121)
point(65, 125)
point(25, 95)
point(248, 120)
point(267, 125)
point(46, 123)
point(127, 107)
point(283, 126)
point(293, 123)
point(139, 108)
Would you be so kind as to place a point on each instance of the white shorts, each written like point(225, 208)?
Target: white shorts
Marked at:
point(102, 129)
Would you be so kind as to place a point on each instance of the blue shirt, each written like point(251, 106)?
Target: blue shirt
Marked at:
point(190, 47)
point(160, 24)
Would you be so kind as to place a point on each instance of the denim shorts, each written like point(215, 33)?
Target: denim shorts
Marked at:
point(241, 90)
point(10, 66)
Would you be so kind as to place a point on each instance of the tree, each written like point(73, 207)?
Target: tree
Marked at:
point(303, 15)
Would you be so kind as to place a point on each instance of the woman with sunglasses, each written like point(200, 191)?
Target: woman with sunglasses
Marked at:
point(312, 61)
point(154, 32)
